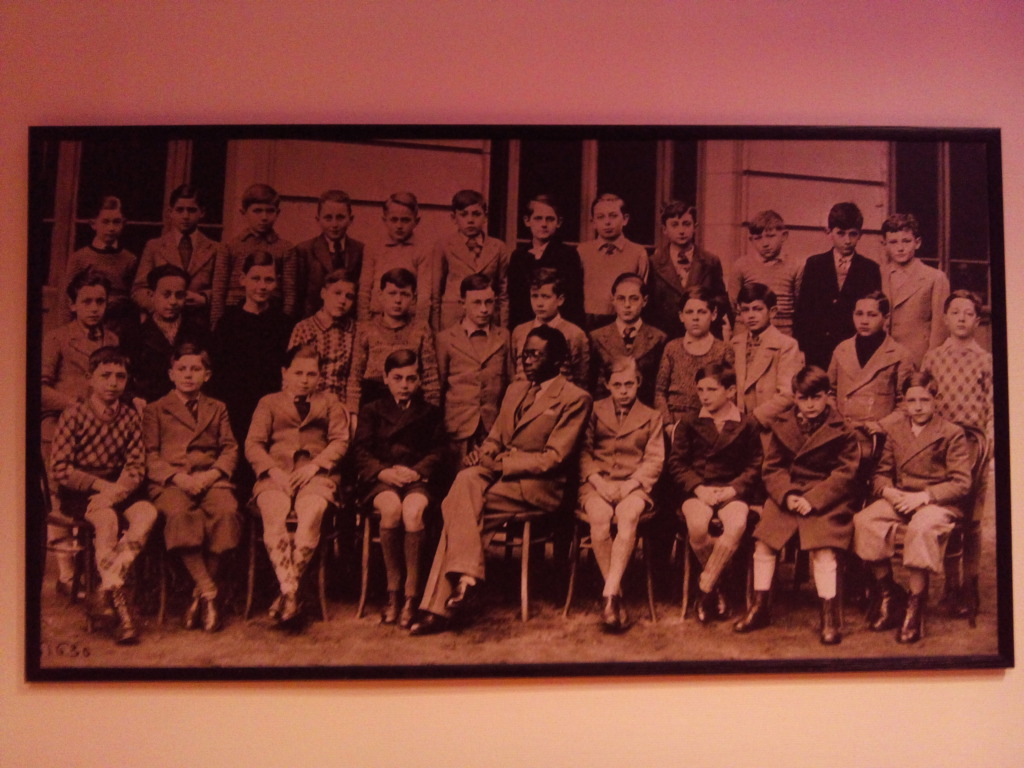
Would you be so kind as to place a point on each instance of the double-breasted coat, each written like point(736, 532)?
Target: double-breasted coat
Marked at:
point(916, 320)
point(472, 380)
point(452, 263)
point(666, 289)
point(869, 393)
point(314, 261)
point(821, 467)
point(164, 250)
point(765, 388)
point(701, 455)
point(629, 450)
point(606, 344)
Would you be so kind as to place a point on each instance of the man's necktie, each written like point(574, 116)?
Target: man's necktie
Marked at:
point(185, 251)
point(527, 401)
point(302, 406)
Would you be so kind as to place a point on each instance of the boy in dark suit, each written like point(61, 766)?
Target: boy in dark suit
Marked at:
point(809, 471)
point(399, 445)
point(831, 284)
point(191, 454)
point(716, 461)
point(923, 480)
point(330, 250)
point(628, 336)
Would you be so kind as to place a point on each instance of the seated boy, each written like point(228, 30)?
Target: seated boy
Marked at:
point(470, 251)
point(547, 295)
point(104, 254)
point(867, 372)
point(151, 344)
point(331, 250)
point(922, 481)
point(399, 250)
point(716, 462)
point(296, 439)
point(97, 465)
point(809, 472)
point(917, 291)
point(260, 206)
point(399, 446)
point(184, 246)
point(191, 454)
point(607, 255)
point(679, 265)
point(623, 453)
point(474, 365)
point(628, 335)
point(543, 219)
point(830, 286)
point(766, 359)
point(769, 266)
point(332, 331)
point(395, 328)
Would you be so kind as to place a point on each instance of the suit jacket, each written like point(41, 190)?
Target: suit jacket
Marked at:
point(633, 449)
point(65, 369)
point(916, 320)
point(824, 314)
point(821, 467)
point(606, 344)
point(277, 433)
point(387, 436)
point(937, 460)
point(164, 250)
point(701, 455)
point(538, 445)
point(454, 262)
point(176, 443)
point(557, 255)
point(869, 393)
point(314, 261)
point(666, 291)
point(765, 389)
point(472, 384)
point(150, 354)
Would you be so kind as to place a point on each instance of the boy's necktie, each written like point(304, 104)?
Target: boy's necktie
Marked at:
point(629, 337)
point(185, 251)
point(474, 246)
point(527, 401)
point(608, 248)
point(843, 269)
point(302, 406)
point(193, 409)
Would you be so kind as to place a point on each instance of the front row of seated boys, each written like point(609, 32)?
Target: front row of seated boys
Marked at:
point(516, 460)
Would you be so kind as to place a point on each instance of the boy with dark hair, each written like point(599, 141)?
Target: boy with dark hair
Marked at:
point(332, 330)
point(917, 291)
point(469, 251)
point(261, 206)
point(831, 284)
point(331, 250)
point(97, 465)
point(474, 365)
point(184, 246)
point(547, 295)
point(809, 471)
point(609, 254)
point(679, 265)
point(769, 266)
point(543, 218)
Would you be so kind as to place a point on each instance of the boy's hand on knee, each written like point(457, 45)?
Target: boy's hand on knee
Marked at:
point(913, 501)
point(706, 495)
point(800, 505)
point(303, 475)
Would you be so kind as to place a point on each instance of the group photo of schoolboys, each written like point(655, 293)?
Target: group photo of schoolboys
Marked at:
point(743, 412)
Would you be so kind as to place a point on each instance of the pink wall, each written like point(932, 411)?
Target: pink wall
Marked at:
point(859, 62)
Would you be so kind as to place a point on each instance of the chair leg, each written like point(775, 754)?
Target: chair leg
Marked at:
point(684, 549)
point(250, 584)
point(161, 610)
point(646, 552)
point(365, 567)
point(574, 554)
point(524, 578)
point(89, 574)
point(321, 577)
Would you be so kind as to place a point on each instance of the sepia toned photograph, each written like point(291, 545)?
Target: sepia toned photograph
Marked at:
point(462, 401)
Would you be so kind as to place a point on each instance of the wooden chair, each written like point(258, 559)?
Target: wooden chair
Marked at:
point(581, 542)
point(74, 542)
point(682, 545)
point(519, 532)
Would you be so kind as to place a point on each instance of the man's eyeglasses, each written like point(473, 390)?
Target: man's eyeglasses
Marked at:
point(531, 354)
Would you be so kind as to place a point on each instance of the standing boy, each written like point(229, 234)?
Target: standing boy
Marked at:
point(184, 246)
point(470, 251)
point(260, 206)
point(679, 265)
point(547, 295)
point(97, 465)
point(769, 266)
point(831, 284)
point(607, 255)
point(332, 249)
point(474, 365)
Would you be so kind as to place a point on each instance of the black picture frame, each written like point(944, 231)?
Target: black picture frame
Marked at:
point(923, 167)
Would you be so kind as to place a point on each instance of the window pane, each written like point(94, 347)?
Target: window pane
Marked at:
point(133, 170)
point(629, 169)
point(968, 202)
point(972, 276)
point(684, 171)
point(917, 190)
point(554, 168)
point(209, 164)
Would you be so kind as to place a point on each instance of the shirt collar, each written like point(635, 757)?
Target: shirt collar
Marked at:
point(341, 243)
point(730, 412)
point(184, 399)
point(408, 242)
point(554, 322)
point(470, 329)
point(675, 253)
point(270, 237)
point(621, 326)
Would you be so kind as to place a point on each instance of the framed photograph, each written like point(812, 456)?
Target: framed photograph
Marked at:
point(462, 401)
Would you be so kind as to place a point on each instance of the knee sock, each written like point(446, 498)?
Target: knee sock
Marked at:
point(823, 565)
point(391, 544)
point(413, 563)
point(764, 566)
point(720, 557)
point(918, 581)
point(195, 564)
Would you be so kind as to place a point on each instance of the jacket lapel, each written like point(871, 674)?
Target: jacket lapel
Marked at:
point(830, 430)
point(884, 357)
point(544, 399)
point(644, 342)
point(919, 443)
point(664, 270)
point(914, 282)
point(764, 356)
point(205, 250)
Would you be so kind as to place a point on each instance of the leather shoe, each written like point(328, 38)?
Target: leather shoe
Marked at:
point(463, 596)
point(101, 606)
point(610, 613)
point(722, 607)
point(126, 632)
point(759, 615)
point(211, 615)
point(830, 633)
point(290, 609)
point(428, 624)
point(913, 623)
point(390, 613)
point(705, 607)
point(408, 614)
point(192, 613)
point(891, 604)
